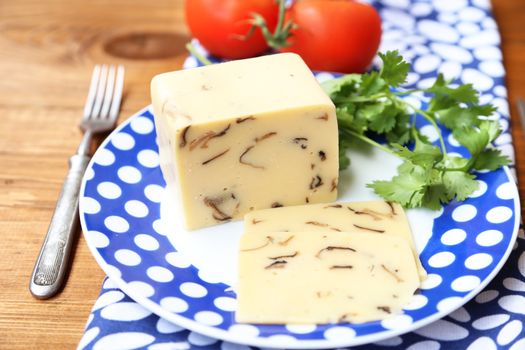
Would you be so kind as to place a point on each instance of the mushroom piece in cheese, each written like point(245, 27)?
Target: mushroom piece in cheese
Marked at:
point(323, 277)
point(381, 217)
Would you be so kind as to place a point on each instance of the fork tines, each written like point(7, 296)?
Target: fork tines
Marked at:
point(105, 92)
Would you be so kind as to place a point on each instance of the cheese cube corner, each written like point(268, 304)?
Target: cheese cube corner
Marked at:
point(245, 135)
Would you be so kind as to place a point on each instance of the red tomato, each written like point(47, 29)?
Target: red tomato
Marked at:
point(335, 35)
point(219, 24)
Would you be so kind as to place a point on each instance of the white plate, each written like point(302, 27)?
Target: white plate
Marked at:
point(135, 235)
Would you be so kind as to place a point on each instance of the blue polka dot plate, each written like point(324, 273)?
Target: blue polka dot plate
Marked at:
point(136, 236)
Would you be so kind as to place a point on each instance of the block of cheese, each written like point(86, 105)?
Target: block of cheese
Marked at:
point(245, 135)
point(371, 216)
point(323, 277)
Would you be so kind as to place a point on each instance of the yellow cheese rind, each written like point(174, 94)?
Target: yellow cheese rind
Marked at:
point(323, 277)
point(243, 136)
point(359, 217)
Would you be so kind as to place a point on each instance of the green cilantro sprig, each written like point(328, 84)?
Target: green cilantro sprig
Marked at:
point(372, 103)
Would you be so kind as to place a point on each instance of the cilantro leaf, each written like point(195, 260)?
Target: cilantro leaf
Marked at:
point(381, 118)
point(492, 128)
point(342, 86)
point(400, 133)
point(344, 145)
point(475, 140)
point(348, 118)
point(434, 196)
point(369, 104)
point(459, 117)
point(463, 93)
point(372, 83)
point(424, 154)
point(490, 159)
point(405, 190)
point(395, 68)
point(459, 185)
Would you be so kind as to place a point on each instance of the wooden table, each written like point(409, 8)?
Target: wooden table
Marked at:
point(47, 51)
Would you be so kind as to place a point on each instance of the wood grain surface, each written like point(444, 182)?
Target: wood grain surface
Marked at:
point(47, 51)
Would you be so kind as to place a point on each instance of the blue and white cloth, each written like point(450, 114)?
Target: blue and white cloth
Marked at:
point(460, 39)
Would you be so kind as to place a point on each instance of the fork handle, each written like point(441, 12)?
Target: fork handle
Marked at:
point(51, 265)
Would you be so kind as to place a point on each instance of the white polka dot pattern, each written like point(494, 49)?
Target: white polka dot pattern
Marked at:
point(417, 302)
point(208, 318)
point(91, 206)
point(397, 322)
point(193, 290)
point(116, 224)
point(487, 296)
point(125, 340)
point(200, 340)
point(109, 190)
point(174, 304)
point(129, 174)
point(166, 327)
point(98, 239)
point(146, 242)
point(159, 274)
point(489, 238)
point(125, 311)
point(443, 330)
point(154, 193)
point(464, 212)
point(149, 238)
point(123, 141)
point(136, 208)
point(498, 215)
point(489, 322)
point(142, 125)
point(468, 239)
point(108, 298)
point(105, 157)
point(142, 288)
point(300, 328)
point(178, 260)
point(465, 283)
point(441, 259)
point(244, 330)
point(453, 236)
point(339, 332)
point(127, 257)
point(226, 304)
point(448, 304)
point(148, 158)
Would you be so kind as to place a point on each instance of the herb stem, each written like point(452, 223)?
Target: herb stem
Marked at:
point(362, 98)
point(431, 120)
point(406, 92)
point(369, 141)
point(197, 54)
point(378, 96)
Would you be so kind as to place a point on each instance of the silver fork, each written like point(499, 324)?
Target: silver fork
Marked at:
point(100, 113)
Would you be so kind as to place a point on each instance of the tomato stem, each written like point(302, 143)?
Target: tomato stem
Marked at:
point(280, 18)
point(279, 37)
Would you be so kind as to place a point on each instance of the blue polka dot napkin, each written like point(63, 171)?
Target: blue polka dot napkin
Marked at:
point(460, 39)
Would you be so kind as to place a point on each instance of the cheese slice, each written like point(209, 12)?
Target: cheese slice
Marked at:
point(360, 217)
point(323, 277)
point(245, 135)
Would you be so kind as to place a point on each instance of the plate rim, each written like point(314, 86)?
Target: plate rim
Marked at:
point(268, 342)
